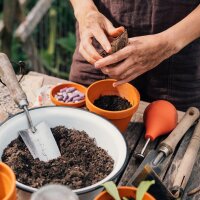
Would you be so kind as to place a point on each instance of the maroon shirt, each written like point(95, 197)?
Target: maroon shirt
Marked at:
point(177, 79)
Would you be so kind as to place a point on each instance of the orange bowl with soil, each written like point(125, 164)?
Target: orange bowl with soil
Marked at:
point(124, 191)
point(59, 89)
point(105, 87)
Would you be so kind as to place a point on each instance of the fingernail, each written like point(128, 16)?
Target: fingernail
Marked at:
point(108, 49)
point(96, 64)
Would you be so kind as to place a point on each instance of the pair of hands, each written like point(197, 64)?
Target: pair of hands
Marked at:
point(139, 56)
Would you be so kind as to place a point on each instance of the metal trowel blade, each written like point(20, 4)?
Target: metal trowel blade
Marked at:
point(41, 144)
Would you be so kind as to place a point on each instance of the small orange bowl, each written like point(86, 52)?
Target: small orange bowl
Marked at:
point(57, 88)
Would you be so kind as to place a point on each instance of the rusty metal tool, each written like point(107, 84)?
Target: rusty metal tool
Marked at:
point(38, 139)
point(187, 163)
point(155, 161)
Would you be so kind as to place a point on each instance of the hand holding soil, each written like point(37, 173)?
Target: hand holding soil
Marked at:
point(139, 56)
point(95, 25)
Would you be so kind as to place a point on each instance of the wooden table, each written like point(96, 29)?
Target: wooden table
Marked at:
point(135, 140)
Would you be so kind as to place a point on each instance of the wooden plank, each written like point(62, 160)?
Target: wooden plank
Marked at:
point(9, 8)
point(33, 18)
point(194, 178)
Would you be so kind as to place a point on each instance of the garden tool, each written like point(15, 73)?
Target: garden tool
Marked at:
point(187, 163)
point(160, 117)
point(38, 139)
point(156, 161)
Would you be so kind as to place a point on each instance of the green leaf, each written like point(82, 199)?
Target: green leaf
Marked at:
point(112, 190)
point(142, 189)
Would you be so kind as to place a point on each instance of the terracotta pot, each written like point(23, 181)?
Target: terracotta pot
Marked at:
point(7, 183)
point(124, 191)
point(105, 87)
point(57, 88)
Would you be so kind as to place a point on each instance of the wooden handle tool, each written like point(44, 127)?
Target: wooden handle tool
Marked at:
point(8, 76)
point(168, 145)
point(187, 163)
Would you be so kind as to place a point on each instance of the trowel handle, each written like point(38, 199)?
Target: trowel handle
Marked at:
point(188, 160)
point(186, 122)
point(8, 76)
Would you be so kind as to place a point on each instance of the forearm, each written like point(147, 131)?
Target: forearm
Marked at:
point(82, 7)
point(184, 32)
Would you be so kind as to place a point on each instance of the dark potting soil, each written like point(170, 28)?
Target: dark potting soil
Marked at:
point(81, 164)
point(112, 103)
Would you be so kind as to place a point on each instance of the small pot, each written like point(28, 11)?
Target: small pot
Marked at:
point(7, 183)
point(57, 88)
point(105, 87)
point(124, 191)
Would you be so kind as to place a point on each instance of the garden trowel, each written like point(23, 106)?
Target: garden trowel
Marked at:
point(157, 160)
point(38, 139)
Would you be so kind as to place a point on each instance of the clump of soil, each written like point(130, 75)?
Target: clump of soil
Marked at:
point(82, 162)
point(112, 103)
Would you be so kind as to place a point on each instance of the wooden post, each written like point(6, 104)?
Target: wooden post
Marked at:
point(9, 7)
point(29, 45)
point(33, 18)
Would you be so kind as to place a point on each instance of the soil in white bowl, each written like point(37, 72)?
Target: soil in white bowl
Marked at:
point(82, 162)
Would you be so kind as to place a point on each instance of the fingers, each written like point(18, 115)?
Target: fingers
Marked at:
point(112, 31)
point(86, 55)
point(114, 58)
point(88, 51)
point(101, 37)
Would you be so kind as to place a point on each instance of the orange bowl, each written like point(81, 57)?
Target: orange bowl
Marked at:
point(105, 87)
point(7, 183)
point(57, 88)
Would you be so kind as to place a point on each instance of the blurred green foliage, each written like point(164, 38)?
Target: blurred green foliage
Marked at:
point(54, 37)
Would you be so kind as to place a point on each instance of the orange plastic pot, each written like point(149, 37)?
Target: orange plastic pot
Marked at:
point(7, 183)
point(57, 88)
point(105, 87)
point(124, 191)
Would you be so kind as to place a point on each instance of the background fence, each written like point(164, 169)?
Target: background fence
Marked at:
point(54, 38)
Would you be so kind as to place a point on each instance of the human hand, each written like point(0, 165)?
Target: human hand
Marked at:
point(139, 56)
point(96, 25)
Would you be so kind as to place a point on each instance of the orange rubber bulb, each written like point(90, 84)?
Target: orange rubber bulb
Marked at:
point(160, 117)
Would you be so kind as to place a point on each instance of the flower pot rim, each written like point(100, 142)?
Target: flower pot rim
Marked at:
point(132, 188)
point(129, 110)
point(11, 176)
point(68, 84)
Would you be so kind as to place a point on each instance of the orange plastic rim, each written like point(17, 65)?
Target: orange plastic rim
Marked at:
point(124, 191)
point(7, 183)
point(57, 88)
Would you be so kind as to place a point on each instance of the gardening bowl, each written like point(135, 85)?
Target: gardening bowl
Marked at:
point(7, 183)
point(57, 88)
point(124, 191)
point(105, 87)
point(106, 135)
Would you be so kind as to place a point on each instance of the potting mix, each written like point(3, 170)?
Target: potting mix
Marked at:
point(82, 162)
point(112, 103)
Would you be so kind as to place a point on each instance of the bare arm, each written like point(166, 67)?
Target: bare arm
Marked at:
point(146, 52)
point(186, 30)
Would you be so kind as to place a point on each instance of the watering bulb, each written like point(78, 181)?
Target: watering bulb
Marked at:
point(160, 117)
point(54, 192)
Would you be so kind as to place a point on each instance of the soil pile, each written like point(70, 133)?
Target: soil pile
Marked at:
point(112, 103)
point(82, 163)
